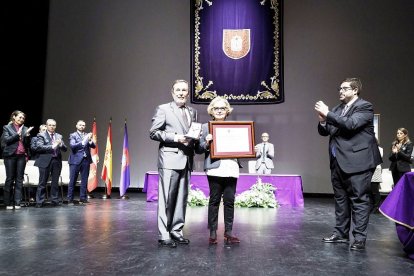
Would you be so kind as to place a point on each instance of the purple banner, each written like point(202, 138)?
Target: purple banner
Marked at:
point(237, 51)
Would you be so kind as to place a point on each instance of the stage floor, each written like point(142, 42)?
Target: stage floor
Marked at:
point(119, 237)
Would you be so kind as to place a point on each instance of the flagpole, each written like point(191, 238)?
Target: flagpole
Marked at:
point(89, 194)
point(106, 195)
point(124, 197)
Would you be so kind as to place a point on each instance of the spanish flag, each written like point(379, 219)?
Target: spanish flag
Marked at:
point(93, 172)
point(107, 165)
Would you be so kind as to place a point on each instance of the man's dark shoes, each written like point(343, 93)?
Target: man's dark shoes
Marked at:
point(83, 201)
point(167, 243)
point(56, 204)
point(180, 239)
point(358, 245)
point(335, 239)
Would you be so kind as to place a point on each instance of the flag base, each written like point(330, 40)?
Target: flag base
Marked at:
point(106, 197)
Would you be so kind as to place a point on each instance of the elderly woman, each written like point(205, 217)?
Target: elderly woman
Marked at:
point(400, 157)
point(222, 176)
point(15, 142)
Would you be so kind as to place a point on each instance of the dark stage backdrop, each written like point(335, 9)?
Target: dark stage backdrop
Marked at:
point(24, 27)
point(119, 58)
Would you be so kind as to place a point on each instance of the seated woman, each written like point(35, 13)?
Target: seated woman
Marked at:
point(400, 156)
point(222, 175)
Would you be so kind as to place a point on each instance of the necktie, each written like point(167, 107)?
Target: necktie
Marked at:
point(344, 110)
point(54, 154)
point(82, 135)
point(264, 152)
point(185, 117)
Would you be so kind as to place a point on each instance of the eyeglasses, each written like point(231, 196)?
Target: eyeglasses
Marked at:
point(344, 89)
point(219, 108)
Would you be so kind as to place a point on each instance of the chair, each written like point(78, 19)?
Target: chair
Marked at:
point(2, 173)
point(65, 176)
point(252, 166)
point(387, 181)
point(31, 180)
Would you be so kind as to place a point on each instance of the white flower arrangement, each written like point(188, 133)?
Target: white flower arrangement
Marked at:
point(259, 195)
point(196, 197)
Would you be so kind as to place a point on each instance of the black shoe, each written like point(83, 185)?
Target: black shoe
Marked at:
point(56, 204)
point(39, 205)
point(71, 203)
point(167, 243)
point(335, 239)
point(180, 239)
point(358, 245)
point(84, 201)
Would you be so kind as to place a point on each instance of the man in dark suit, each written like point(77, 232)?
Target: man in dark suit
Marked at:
point(175, 162)
point(49, 146)
point(79, 160)
point(354, 154)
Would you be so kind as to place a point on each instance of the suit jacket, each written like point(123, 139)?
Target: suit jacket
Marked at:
point(79, 150)
point(33, 148)
point(352, 137)
point(44, 149)
point(268, 159)
point(401, 160)
point(10, 140)
point(204, 147)
point(166, 123)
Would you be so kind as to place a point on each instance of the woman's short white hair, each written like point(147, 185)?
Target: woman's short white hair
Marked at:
point(210, 107)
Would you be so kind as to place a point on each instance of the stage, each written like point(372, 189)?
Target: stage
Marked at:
point(119, 237)
point(288, 187)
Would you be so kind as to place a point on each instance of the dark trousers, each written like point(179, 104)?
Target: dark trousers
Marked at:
point(352, 200)
point(54, 169)
point(15, 166)
point(396, 176)
point(83, 167)
point(375, 195)
point(226, 187)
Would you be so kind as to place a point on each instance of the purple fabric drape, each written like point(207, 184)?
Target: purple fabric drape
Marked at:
point(288, 187)
point(399, 207)
point(256, 77)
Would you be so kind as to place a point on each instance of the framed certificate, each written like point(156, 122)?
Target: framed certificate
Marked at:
point(232, 139)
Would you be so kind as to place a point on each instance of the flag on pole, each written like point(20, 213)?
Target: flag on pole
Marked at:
point(93, 172)
point(125, 179)
point(107, 165)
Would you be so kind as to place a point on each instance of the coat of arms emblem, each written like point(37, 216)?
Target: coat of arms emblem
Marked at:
point(236, 43)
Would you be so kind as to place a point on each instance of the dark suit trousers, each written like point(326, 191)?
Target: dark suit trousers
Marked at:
point(83, 167)
point(172, 201)
point(54, 169)
point(396, 176)
point(226, 187)
point(15, 166)
point(352, 200)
